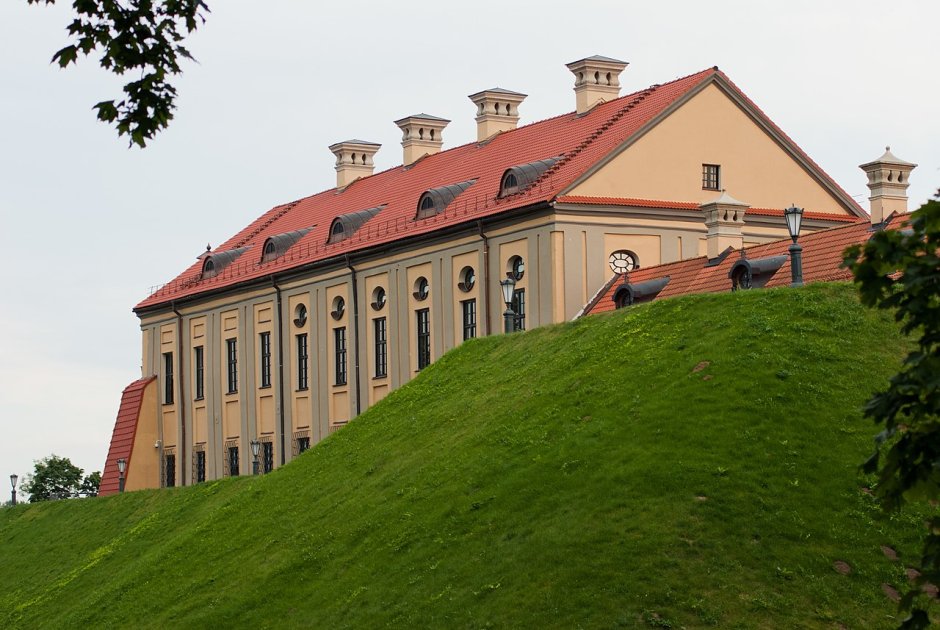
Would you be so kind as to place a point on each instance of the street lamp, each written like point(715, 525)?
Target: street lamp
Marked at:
point(255, 449)
point(794, 217)
point(508, 286)
point(122, 466)
point(13, 479)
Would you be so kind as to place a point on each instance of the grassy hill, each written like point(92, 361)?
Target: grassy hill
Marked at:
point(687, 463)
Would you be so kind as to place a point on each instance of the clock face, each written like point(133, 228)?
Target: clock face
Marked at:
point(622, 261)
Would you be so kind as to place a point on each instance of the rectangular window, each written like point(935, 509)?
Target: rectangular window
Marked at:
point(303, 444)
point(233, 461)
point(200, 466)
point(339, 343)
point(170, 467)
point(710, 176)
point(167, 378)
point(231, 346)
point(302, 362)
point(267, 456)
point(469, 308)
point(381, 347)
point(265, 342)
point(518, 307)
point(199, 360)
point(424, 338)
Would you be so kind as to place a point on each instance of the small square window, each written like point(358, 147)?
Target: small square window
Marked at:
point(711, 176)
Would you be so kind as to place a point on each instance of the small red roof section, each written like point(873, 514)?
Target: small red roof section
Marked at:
point(822, 262)
point(580, 141)
point(122, 438)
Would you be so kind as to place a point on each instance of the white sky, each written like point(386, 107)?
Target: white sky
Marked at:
point(88, 225)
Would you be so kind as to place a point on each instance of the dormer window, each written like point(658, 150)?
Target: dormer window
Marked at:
point(214, 264)
point(434, 201)
point(345, 225)
point(277, 245)
point(517, 178)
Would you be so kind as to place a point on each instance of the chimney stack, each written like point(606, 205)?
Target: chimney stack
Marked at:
point(421, 135)
point(887, 180)
point(497, 110)
point(724, 218)
point(353, 160)
point(596, 80)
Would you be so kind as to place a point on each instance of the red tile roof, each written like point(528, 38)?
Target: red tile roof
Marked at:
point(822, 262)
point(687, 205)
point(582, 141)
point(122, 438)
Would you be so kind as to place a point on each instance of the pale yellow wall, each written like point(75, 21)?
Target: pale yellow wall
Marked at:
point(558, 276)
point(507, 251)
point(666, 163)
point(301, 412)
point(339, 395)
point(264, 415)
point(647, 247)
point(378, 387)
point(231, 403)
point(143, 469)
point(168, 412)
point(411, 277)
point(197, 336)
point(458, 263)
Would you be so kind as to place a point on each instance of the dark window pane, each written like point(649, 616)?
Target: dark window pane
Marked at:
point(469, 308)
point(168, 378)
point(381, 348)
point(265, 342)
point(233, 461)
point(170, 469)
point(199, 360)
point(267, 452)
point(232, 353)
point(518, 307)
point(424, 338)
point(302, 361)
point(200, 466)
point(303, 444)
point(339, 342)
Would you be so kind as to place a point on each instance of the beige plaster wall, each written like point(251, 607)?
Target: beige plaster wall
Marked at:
point(666, 163)
point(143, 469)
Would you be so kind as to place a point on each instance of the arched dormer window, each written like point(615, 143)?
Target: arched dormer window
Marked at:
point(213, 264)
point(518, 178)
point(435, 200)
point(345, 225)
point(277, 245)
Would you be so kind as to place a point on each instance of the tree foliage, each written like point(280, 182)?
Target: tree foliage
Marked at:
point(134, 36)
point(899, 270)
point(57, 477)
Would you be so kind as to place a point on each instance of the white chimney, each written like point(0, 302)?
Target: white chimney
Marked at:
point(887, 180)
point(353, 160)
point(596, 80)
point(724, 218)
point(421, 135)
point(497, 111)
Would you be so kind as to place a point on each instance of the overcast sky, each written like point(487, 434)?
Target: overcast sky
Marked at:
point(89, 225)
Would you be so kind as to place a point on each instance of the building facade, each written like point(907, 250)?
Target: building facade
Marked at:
point(322, 306)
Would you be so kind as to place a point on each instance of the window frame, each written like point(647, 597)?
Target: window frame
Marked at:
point(169, 470)
point(711, 177)
point(232, 461)
point(340, 372)
point(231, 354)
point(200, 465)
point(468, 317)
point(168, 385)
point(264, 350)
point(303, 362)
point(380, 350)
point(267, 457)
point(423, 337)
point(518, 307)
point(199, 372)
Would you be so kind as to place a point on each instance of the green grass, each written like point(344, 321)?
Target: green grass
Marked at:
point(581, 475)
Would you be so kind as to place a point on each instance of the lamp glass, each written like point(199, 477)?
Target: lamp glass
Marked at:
point(794, 218)
point(13, 479)
point(122, 465)
point(255, 448)
point(508, 286)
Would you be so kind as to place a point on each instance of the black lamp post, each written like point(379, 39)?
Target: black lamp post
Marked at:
point(122, 466)
point(13, 479)
point(255, 449)
point(508, 287)
point(794, 217)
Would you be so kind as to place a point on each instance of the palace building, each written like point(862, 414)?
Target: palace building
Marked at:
point(321, 306)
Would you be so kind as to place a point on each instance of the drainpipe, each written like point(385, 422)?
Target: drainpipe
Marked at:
point(280, 367)
point(486, 278)
point(355, 298)
point(182, 402)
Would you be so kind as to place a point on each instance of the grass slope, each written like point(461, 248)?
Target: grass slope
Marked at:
point(581, 475)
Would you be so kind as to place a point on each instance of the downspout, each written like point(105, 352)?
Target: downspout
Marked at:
point(280, 366)
point(486, 277)
point(182, 402)
point(355, 298)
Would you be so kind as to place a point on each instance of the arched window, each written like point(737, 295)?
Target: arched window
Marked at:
point(510, 184)
point(422, 289)
point(338, 230)
point(468, 278)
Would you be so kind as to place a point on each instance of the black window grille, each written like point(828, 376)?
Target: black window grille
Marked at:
point(233, 461)
point(232, 354)
point(469, 308)
point(339, 343)
point(303, 444)
point(170, 469)
point(518, 307)
point(200, 466)
point(267, 456)
point(710, 176)
point(200, 372)
point(265, 342)
point(168, 378)
point(302, 362)
point(424, 338)
point(381, 347)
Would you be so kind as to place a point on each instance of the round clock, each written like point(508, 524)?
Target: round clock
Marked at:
point(622, 261)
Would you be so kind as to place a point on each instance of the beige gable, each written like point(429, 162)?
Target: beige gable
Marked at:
point(666, 163)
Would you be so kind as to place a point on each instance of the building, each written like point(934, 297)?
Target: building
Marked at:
point(321, 306)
